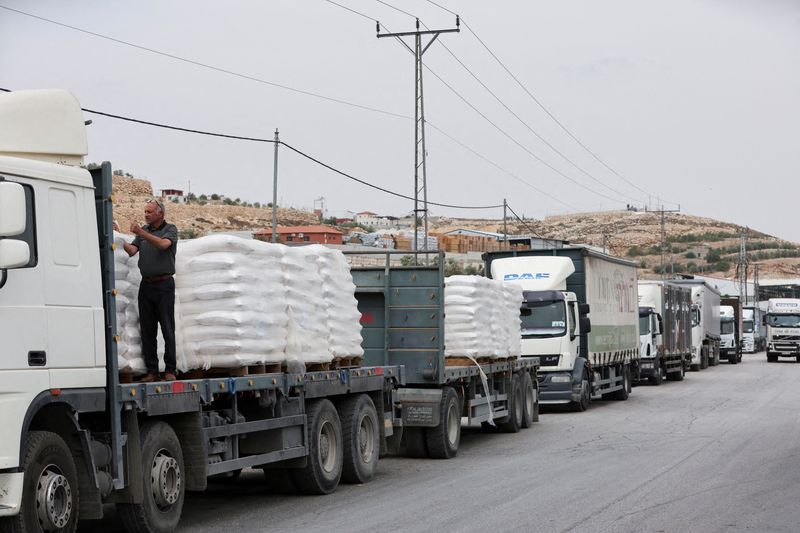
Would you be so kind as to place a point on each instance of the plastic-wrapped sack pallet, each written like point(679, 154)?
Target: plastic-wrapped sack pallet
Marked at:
point(480, 314)
point(231, 306)
point(127, 279)
point(340, 302)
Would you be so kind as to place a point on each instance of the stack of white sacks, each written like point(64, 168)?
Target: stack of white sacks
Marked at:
point(127, 280)
point(245, 302)
point(482, 317)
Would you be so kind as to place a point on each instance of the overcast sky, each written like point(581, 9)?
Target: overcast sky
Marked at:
point(696, 102)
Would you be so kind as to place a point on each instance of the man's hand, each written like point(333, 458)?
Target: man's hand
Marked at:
point(136, 229)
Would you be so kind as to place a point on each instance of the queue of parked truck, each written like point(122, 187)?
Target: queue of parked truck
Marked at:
point(77, 436)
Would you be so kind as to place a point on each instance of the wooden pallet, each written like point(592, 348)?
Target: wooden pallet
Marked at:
point(466, 361)
point(347, 362)
point(318, 367)
point(238, 372)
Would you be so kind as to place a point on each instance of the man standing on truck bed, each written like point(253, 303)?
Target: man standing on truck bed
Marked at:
point(156, 243)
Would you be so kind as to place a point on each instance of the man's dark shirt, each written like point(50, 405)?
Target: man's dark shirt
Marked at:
point(155, 262)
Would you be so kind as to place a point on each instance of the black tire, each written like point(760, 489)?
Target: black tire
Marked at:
point(513, 422)
point(323, 470)
point(164, 489)
point(703, 358)
point(622, 394)
point(658, 378)
point(442, 441)
point(695, 368)
point(772, 358)
point(413, 444)
point(586, 396)
point(530, 405)
point(360, 439)
point(49, 471)
point(677, 376)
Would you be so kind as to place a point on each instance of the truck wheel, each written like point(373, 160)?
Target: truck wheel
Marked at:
point(360, 439)
point(530, 407)
point(50, 500)
point(516, 398)
point(677, 376)
point(323, 469)
point(622, 394)
point(772, 358)
point(658, 377)
point(443, 440)
point(586, 396)
point(703, 358)
point(164, 489)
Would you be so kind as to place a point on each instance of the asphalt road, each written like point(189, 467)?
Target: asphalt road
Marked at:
point(719, 452)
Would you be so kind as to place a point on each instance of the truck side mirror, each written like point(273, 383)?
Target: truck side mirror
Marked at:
point(14, 254)
point(583, 310)
point(12, 209)
point(586, 324)
point(763, 320)
point(660, 324)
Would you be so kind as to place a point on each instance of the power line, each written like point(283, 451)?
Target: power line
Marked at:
point(498, 167)
point(212, 67)
point(541, 105)
point(538, 158)
point(363, 182)
point(265, 140)
point(351, 10)
point(515, 141)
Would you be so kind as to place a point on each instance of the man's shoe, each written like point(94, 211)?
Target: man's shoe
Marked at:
point(149, 378)
point(169, 376)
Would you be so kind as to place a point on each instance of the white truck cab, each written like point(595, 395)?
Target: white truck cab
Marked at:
point(727, 328)
point(49, 271)
point(783, 328)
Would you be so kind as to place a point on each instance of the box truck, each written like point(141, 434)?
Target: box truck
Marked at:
point(705, 322)
point(730, 343)
point(665, 330)
point(580, 358)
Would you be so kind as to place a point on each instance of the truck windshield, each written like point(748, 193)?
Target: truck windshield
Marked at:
point(726, 327)
point(546, 319)
point(644, 325)
point(747, 326)
point(784, 321)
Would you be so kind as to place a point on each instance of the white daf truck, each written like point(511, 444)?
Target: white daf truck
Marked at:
point(705, 322)
point(562, 288)
point(783, 328)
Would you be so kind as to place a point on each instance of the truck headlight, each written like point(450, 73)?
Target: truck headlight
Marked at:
point(561, 379)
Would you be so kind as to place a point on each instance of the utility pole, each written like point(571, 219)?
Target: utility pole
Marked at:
point(275, 191)
point(742, 267)
point(505, 224)
point(419, 121)
point(663, 213)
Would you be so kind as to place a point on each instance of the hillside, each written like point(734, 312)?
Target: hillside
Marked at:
point(194, 219)
point(695, 244)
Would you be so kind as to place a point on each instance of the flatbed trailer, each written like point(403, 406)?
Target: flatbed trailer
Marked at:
point(402, 308)
point(73, 445)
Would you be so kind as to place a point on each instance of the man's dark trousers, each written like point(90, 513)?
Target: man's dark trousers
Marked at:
point(157, 306)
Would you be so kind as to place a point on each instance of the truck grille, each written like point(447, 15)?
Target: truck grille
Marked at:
point(786, 337)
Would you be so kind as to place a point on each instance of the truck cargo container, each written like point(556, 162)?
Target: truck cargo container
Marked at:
point(705, 322)
point(730, 344)
point(402, 308)
point(665, 330)
point(580, 358)
point(783, 328)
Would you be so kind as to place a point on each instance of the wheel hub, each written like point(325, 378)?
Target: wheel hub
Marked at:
point(366, 439)
point(53, 499)
point(166, 481)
